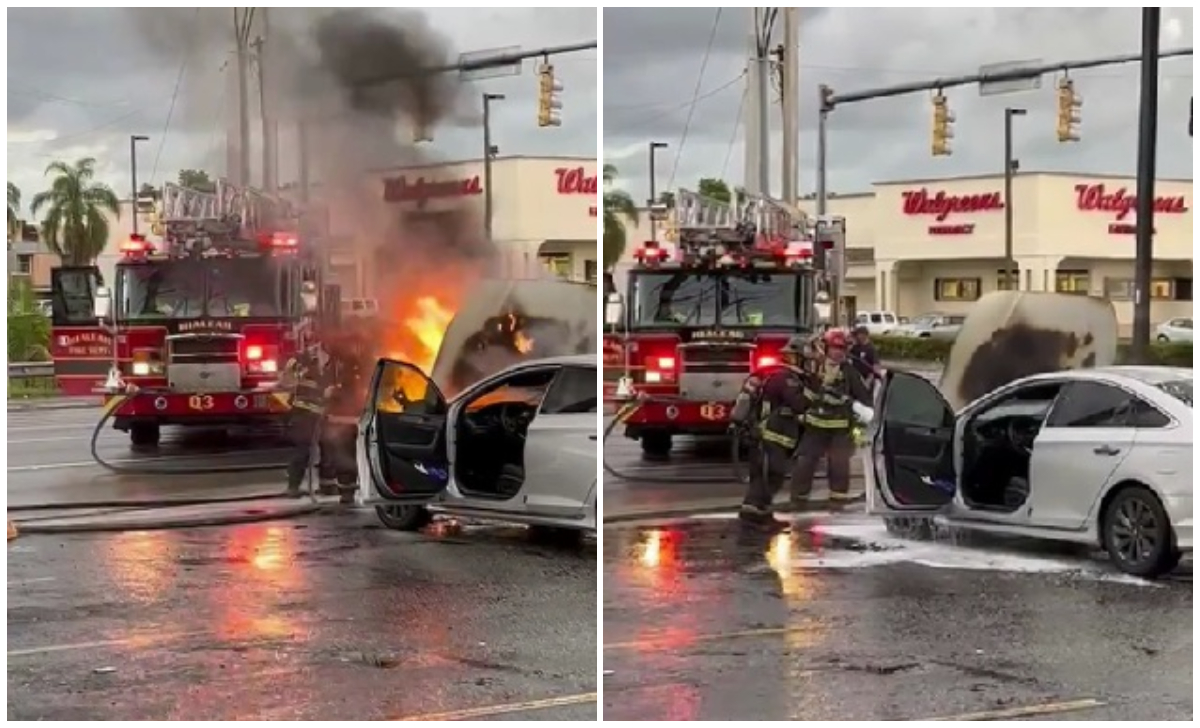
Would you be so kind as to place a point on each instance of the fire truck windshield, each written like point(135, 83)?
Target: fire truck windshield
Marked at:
point(210, 288)
point(720, 298)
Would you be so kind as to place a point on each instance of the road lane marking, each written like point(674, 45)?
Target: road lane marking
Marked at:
point(1026, 711)
point(143, 461)
point(487, 711)
point(32, 580)
point(34, 440)
point(682, 642)
point(140, 641)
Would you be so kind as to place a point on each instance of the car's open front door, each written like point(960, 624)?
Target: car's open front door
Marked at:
point(912, 451)
point(402, 454)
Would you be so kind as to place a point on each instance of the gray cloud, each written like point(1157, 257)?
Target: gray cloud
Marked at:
point(652, 59)
point(121, 75)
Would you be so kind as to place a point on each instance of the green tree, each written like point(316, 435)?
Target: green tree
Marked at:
point(715, 189)
point(618, 210)
point(14, 210)
point(667, 199)
point(197, 179)
point(75, 226)
point(28, 328)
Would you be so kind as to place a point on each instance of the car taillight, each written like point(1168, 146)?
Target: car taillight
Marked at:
point(146, 363)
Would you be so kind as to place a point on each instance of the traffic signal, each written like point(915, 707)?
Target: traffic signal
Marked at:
point(548, 102)
point(943, 126)
point(1069, 105)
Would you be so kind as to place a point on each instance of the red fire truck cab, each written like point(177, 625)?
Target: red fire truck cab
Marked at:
point(693, 323)
point(193, 330)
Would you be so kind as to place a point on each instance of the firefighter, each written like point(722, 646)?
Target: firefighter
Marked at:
point(339, 441)
point(768, 410)
point(831, 386)
point(307, 375)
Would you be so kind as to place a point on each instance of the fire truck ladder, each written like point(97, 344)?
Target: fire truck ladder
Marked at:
point(227, 214)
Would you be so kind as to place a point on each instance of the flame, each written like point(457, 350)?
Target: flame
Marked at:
point(423, 332)
point(523, 341)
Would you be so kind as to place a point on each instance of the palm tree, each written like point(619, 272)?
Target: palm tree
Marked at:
point(14, 210)
point(75, 226)
point(618, 209)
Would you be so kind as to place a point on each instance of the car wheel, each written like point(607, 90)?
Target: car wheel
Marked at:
point(144, 435)
point(656, 444)
point(1163, 339)
point(1136, 533)
point(551, 536)
point(404, 518)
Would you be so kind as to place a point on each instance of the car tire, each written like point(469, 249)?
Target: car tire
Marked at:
point(1164, 339)
point(656, 444)
point(1134, 514)
point(404, 518)
point(144, 435)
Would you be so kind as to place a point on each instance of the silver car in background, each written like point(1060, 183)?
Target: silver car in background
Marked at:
point(1175, 330)
point(931, 325)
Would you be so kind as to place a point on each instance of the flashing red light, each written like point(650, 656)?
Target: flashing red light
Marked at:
point(664, 363)
point(283, 240)
point(136, 244)
point(767, 361)
point(254, 352)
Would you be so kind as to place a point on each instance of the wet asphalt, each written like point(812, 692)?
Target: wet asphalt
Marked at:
point(328, 617)
point(704, 620)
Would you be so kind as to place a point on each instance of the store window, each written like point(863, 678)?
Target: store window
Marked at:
point(956, 289)
point(558, 264)
point(1003, 283)
point(24, 264)
point(1077, 282)
point(590, 271)
point(1161, 289)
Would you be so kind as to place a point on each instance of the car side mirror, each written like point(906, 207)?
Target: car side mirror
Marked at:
point(614, 310)
point(102, 304)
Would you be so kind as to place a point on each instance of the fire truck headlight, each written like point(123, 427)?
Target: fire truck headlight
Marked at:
point(141, 368)
point(653, 377)
point(268, 366)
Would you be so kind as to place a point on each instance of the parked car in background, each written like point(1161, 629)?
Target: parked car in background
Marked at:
point(878, 323)
point(931, 325)
point(1177, 329)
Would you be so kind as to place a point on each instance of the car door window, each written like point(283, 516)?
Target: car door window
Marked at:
point(912, 400)
point(403, 389)
point(526, 387)
point(573, 392)
point(876, 318)
point(1093, 404)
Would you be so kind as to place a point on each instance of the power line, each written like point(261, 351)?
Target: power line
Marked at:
point(187, 54)
point(737, 123)
point(664, 112)
point(687, 124)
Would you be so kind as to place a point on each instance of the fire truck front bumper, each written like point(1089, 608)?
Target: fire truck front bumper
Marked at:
point(675, 416)
point(187, 408)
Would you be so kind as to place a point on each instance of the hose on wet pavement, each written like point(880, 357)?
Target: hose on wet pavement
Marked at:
point(37, 524)
point(626, 411)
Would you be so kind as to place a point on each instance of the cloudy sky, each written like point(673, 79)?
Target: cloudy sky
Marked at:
point(118, 76)
point(652, 60)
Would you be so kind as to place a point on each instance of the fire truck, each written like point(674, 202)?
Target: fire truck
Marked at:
point(699, 314)
point(198, 323)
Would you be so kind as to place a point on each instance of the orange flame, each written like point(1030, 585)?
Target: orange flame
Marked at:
point(423, 334)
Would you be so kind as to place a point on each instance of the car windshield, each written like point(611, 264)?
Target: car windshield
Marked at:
point(726, 298)
point(1180, 389)
point(188, 289)
point(928, 319)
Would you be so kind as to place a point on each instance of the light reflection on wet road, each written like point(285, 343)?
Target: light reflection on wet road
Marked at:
point(329, 618)
point(704, 621)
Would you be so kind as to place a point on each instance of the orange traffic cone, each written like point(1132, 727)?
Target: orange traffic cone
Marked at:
point(12, 530)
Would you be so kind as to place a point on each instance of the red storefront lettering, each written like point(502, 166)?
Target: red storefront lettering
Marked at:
point(421, 190)
point(1097, 198)
point(942, 205)
point(576, 181)
point(963, 229)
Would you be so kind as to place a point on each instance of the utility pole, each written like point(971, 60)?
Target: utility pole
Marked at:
point(1147, 148)
point(270, 126)
point(758, 104)
point(242, 18)
point(789, 67)
point(1011, 282)
point(489, 153)
point(133, 142)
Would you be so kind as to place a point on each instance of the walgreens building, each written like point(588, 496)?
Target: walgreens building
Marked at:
point(919, 246)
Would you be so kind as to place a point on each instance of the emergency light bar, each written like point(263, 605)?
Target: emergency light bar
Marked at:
point(136, 245)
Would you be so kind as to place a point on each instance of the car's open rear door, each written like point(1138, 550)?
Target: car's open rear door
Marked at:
point(402, 454)
point(912, 464)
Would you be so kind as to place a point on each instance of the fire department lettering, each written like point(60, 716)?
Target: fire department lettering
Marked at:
point(202, 402)
point(85, 344)
point(713, 411)
point(205, 325)
point(718, 335)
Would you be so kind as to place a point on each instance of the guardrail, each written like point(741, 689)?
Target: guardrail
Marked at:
point(30, 369)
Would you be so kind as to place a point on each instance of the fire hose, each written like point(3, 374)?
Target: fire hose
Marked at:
point(32, 525)
point(629, 409)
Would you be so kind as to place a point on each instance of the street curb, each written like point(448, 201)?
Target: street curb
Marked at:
point(51, 404)
point(163, 519)
point(701, 508)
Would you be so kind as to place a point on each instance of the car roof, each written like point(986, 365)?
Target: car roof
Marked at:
point(1151, 375)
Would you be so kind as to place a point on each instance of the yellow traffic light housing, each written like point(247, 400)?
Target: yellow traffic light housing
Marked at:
point(549, 103)
point(943, 126)
point(1069, 115)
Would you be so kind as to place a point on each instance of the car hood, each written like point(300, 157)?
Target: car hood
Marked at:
point(1009, 335)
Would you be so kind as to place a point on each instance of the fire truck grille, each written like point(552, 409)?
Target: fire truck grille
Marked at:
point(197, 350)
point(715, 359)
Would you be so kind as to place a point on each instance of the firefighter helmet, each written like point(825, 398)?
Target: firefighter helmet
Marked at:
point(835, 338)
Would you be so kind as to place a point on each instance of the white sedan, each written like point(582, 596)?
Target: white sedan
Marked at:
point(1093, 456)
point(518, 446)
point(1177, 329)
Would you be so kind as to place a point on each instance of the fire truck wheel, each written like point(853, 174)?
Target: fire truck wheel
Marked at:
point(404, 518)
point(657, 444)
point(144, 435)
